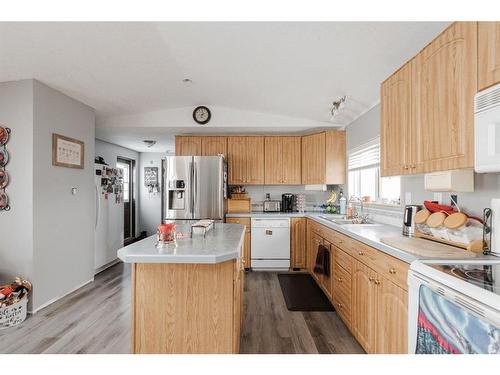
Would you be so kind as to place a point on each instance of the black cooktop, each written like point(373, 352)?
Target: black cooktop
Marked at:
point(485, 276)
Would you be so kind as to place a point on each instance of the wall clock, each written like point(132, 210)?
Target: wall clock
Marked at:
point(201, 115)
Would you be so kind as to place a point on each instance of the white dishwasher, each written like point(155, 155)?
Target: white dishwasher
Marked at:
point(270, 243)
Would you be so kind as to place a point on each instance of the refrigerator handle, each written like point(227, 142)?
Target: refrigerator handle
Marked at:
point(195, 187)
point(191, 185)
point(97, 206)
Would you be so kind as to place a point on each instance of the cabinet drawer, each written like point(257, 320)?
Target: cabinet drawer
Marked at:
point(343, 260)
point(240, 220)
point(342, 286)
point(394, 270)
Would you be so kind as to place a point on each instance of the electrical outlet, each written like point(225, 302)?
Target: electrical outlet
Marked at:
point(408, 197)
point(438, 197)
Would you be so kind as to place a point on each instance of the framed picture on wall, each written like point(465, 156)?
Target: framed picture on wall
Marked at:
point(67, 152)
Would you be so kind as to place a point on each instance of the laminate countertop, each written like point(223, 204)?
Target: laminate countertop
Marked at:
point(371, 235)
point(223, 242)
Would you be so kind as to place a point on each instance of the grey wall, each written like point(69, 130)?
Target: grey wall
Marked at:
point(64, 223)
point(16, 225)
point(150, 207)
point(364, 128)
point(110, 152)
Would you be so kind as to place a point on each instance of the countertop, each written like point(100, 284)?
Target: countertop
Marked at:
point(224, 242)
point(370, 235)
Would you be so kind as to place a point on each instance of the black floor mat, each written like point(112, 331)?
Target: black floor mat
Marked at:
point(301, 293)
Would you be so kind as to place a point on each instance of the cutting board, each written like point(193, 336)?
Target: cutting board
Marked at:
point(428, 249)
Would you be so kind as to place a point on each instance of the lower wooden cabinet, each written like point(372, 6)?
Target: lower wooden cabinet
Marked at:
point(247, 258)
point(392, 327)
point(364, 304)
point(298, 242)
point(239, 276)
point(367, 288)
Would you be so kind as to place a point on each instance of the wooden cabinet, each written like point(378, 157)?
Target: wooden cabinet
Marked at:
point(392, 327)
point(397, 133)
point(282, 160)
point(364, 306)
point(367, 287)
point(188, 145)
point(246, 160)
point(488, 54)
point(427, 105)
point(298, 242)
point(246, 248)
point(239, 275)
point(323, 158)
point(446, 81)
point(213, 146)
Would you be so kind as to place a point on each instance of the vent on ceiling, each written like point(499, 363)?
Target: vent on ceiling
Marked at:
point(487, 99)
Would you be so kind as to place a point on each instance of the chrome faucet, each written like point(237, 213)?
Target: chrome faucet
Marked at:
point(362, 217)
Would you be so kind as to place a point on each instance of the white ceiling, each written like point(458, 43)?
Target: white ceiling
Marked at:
point(292, 69)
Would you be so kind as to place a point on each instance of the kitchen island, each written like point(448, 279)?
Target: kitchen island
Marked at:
point(187, 298)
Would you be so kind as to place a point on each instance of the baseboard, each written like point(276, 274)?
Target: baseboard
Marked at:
point(59, 297)
point(106, 266)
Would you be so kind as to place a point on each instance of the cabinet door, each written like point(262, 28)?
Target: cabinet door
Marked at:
point(291, 170)
point(246, 245)
point(237, 305)
point(213, 146)
point(312, 253)
point(392, 328)
point(396, 122)
point(488, 66)
point(248, 251)
point(335, 157)
point(187, 146)
point(364, 305)
point(255, 160)
point(327, 281)
point(237, 160)
point(446, 81)
point(298, 242)
point(273, 165)
point(313, 159)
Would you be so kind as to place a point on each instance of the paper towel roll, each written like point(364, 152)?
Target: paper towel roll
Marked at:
point(495, 224)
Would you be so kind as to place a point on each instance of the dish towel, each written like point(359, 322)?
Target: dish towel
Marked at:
point(322, 261)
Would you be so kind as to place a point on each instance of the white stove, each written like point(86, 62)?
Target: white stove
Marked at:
point(454, 306)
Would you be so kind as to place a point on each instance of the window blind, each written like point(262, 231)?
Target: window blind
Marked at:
point(364, 156)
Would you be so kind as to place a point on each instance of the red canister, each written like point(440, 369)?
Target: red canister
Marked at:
point(166, 232)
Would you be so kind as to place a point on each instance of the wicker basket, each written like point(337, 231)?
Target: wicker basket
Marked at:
point(14, 314)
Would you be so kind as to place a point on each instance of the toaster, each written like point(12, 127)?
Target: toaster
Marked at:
point(272, 206)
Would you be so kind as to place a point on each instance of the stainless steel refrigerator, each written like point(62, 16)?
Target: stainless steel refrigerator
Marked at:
point(194, 187)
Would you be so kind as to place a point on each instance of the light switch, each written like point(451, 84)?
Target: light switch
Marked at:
point(73, 191)
point(438, 197)
point(408, 197)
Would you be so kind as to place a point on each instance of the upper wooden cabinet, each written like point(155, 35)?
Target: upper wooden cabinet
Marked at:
point(397, 133)
point(446, 81)
point(213, 146)
point(488, 67)
point(188, 145)
point(323, 158)
point(427, 106)
point(282, 160)
point(246, 160)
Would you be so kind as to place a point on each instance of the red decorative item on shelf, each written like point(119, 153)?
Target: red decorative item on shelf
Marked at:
point(436, 207)
point(166, 232)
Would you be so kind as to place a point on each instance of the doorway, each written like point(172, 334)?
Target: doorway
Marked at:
point(128, 167)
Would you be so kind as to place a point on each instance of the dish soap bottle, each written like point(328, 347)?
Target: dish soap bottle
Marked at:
point(343, 203)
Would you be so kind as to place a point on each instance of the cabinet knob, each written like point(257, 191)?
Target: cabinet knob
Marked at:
point(377, 282)
point(361, 253)
point(339, 279)
point(371, 279)
point(405, 167)
point(413, 166)
point(392, 271)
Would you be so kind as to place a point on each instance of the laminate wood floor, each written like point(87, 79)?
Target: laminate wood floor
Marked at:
point(96, 319)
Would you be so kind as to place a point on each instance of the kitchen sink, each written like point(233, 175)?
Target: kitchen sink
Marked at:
point(347, 222)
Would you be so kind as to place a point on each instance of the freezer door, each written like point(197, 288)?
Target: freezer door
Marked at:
point(209, 186)
point(177, 188)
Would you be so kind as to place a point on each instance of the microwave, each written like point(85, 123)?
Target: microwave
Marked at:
point(487, 130)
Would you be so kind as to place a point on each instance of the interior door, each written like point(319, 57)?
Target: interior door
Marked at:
point(128, 166)
point(208, 187)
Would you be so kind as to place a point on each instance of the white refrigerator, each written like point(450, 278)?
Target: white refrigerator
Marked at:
point(109, 218)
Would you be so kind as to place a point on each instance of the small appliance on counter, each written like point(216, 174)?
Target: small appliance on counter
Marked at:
point(288, 202)
point(271, 205)
point(409, 225)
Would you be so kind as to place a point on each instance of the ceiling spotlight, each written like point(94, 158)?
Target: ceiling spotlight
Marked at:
point(187, 80)
point(149, 143)
point(337, 106)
